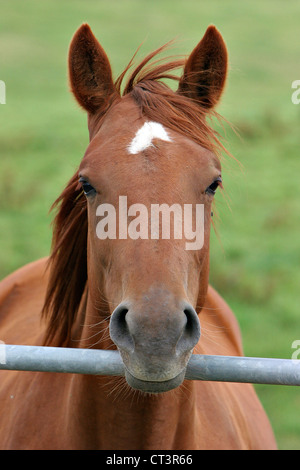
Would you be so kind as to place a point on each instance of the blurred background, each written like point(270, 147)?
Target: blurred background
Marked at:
point(255, 252)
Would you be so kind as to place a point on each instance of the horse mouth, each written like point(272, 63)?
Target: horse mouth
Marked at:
point(148, 386)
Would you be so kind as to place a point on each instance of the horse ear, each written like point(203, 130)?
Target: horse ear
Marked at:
point(205, 71)
point(90, 73)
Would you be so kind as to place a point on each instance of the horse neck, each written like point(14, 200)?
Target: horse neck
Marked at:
point(104, 413)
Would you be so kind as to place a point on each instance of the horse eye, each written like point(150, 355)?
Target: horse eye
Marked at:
point(88, 189)
point(214, 186)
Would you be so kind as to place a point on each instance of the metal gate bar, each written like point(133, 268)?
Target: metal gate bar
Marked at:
point(102, 362)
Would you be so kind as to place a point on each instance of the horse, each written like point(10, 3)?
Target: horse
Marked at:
point(144, 296)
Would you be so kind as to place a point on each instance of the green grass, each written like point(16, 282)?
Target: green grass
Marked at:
point(43, 136)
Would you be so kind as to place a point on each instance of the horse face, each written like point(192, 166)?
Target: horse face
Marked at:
point(149, 191)
point(154, 281)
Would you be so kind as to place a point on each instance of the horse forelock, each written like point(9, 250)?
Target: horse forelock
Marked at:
point(160, 103)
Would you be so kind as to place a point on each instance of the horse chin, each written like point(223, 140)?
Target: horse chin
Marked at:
point(154, 386)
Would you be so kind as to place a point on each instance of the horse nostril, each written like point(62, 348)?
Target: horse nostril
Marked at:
point(191, 332)
point(122, 312)
point(190, 315)
point(118, 328)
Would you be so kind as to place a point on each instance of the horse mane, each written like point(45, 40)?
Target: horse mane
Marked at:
point(68, 259)
point(68, 263)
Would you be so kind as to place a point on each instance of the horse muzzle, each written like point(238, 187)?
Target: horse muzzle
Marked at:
point(155, 337)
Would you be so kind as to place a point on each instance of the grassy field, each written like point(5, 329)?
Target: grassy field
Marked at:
point(256, 257)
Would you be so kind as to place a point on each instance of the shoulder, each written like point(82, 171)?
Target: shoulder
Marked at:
point(25, 275)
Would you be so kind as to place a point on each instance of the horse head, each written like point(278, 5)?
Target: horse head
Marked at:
point(151, 158)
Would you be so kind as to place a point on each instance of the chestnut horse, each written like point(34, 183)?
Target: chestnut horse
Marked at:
point(141, 295)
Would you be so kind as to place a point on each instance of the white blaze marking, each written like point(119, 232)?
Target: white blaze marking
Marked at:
point(145, 135)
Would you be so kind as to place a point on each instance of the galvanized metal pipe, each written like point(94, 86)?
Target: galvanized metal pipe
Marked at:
point(101, 362)
point(68, 360)
point(254, 370)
